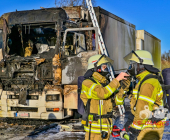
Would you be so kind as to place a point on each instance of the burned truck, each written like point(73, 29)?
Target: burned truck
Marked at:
point(43, 52)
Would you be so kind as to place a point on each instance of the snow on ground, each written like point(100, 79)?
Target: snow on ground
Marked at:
point(59, 136)
point(53, 134)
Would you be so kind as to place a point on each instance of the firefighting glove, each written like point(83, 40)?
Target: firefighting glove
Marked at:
point(125, 84)
point(119, 99)
point(132, 137)
point(129, 122)
point(133, 133)
point(100, 78)
point(124, 135)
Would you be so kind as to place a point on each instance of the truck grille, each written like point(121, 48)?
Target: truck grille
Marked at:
point(27, 109)
point(29, 97)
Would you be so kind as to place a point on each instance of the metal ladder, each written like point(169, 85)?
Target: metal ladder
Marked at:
point(101, 44)
point(100, 38)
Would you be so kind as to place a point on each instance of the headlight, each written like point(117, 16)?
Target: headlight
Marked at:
point(13, 97)
point(32, 97)
point(55, 97)
point(52, 109)
point(49, 98)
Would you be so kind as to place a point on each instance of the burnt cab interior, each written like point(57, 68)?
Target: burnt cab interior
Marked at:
point(35, 39)
point(32, 40)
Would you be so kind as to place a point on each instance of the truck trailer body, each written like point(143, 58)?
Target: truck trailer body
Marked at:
point(43, 52)
point(148, 42)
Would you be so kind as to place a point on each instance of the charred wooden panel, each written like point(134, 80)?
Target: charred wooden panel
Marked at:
point(73, 12)
point(57, 70)
point(76, 12)
point(70, 96)
point(75, 66)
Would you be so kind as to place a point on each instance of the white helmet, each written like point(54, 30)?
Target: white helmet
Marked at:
point(99, 60)
point(139, 56)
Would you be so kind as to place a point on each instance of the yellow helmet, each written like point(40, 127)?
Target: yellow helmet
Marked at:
point(99, 59)
point(139, 56)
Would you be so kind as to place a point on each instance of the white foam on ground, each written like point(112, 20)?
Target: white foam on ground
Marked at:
point(17, 138)
point(62, 136)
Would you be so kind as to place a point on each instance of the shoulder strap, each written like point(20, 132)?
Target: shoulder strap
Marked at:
point(97, 82)
point(166, 87)
point(149, 76)
point(146, 78)
point(87, 107)
point(90, 78)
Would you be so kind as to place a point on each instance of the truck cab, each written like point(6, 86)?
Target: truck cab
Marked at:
point(34, 63)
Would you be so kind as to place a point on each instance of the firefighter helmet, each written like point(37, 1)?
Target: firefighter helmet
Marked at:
point(139, 56)
point(99, 59)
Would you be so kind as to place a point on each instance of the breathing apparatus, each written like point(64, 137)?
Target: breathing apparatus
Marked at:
point(103, 69)
point(139, 61)
point(99, 63)
point(134, 67)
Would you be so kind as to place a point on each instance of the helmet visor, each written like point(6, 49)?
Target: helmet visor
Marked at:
point(132, 56)
point(104, 59)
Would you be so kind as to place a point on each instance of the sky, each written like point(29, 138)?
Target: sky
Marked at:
point(150, 15)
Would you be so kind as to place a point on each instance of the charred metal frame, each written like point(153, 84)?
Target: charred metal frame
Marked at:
point(58, 27)
point(81, 29)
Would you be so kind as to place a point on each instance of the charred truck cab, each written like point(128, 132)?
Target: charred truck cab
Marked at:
point(43, 52)
point(33, 56)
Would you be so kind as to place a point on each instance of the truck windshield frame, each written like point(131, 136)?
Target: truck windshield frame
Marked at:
point(33, 36)
point(77, 31)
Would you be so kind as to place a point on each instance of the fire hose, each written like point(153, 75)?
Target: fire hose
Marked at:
point(118, 131)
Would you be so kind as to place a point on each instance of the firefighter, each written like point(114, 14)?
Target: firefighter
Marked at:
point(96, 95)
point(146, 97)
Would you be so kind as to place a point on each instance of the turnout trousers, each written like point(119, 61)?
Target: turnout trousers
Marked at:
point(94, 136)
point(151, 134)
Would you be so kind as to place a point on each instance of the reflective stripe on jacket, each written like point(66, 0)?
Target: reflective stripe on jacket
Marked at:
point(119, 100)
point(96, 91)
point(150, 93)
